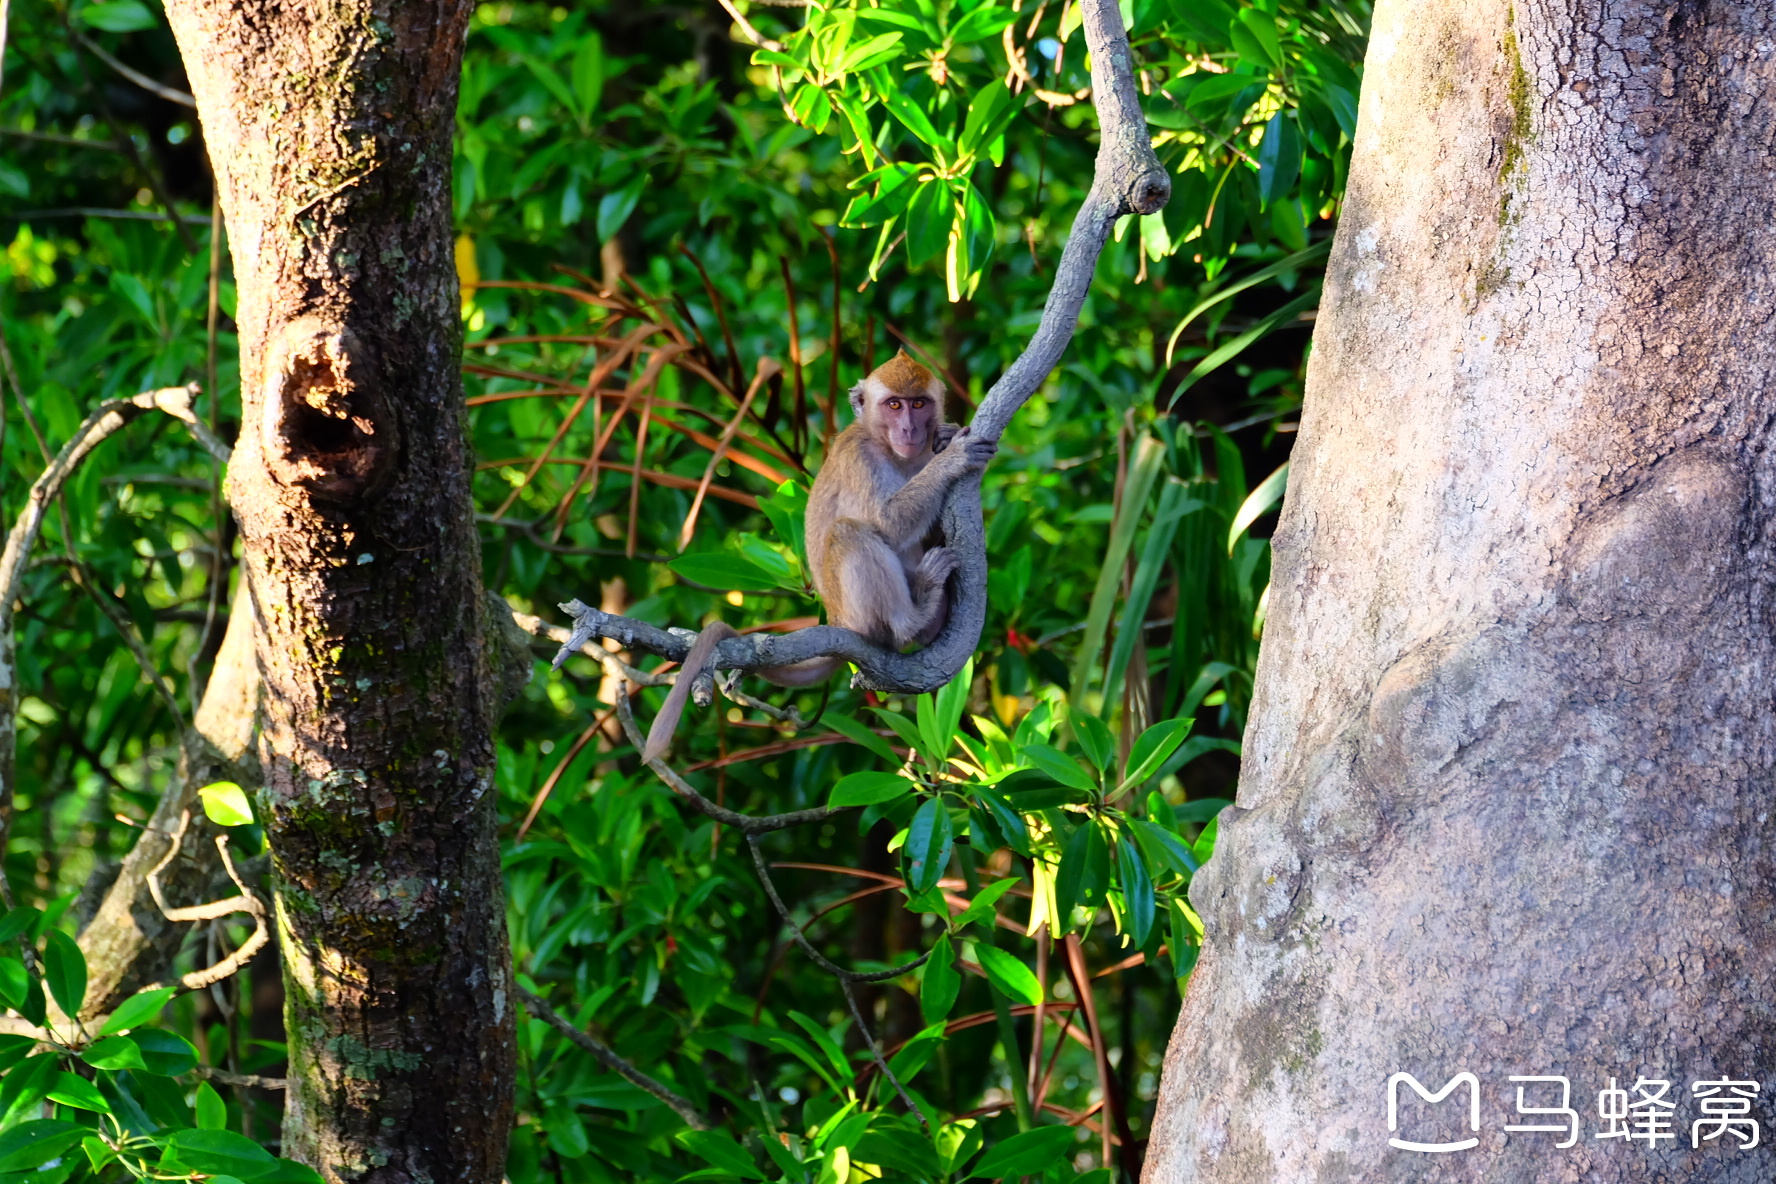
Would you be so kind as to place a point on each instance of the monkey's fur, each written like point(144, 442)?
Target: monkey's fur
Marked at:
point(873, 502)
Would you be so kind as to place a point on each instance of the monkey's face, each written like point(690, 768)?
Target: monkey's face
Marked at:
point(905, 420)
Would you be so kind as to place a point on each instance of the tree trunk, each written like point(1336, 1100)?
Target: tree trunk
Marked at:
point(329, 128)
point(1507, 784)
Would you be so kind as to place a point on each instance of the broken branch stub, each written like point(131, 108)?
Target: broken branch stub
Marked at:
point(1128, 180)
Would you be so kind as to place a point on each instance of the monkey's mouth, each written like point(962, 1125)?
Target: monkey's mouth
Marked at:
point(906, 448)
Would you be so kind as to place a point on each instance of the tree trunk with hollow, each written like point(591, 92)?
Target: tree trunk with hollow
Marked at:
point(328, 123)
point(1505, 806)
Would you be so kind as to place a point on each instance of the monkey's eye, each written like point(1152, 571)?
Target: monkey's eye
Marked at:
point(894, 404)
point(918, 404)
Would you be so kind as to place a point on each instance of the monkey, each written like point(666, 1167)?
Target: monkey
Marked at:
point(874, 500)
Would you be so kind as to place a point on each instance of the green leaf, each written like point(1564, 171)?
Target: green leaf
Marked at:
point(1279, 158)
point(928, 846)
point(940, 985)
point(834, 1055)
point(24, 1089)
point(1254, 34)
point(78, 1092)
point(219, 1152)
point(1232, 349)
point(165, 1054)
point(902, 1150)
point(615, 207)
point(588, 74)
point(982, 907)
point(1007, 972)
point(1028, 1154)
point(33, 1144)
point(1071, 873)
point(97, 1153)
point(983, 113)
point(720, 1149)
point(138, 1009)
point(1257, 503)
point(1095, 739)
point(288, 1171)
point(114, 1052)
point(858, 119)
point(989, 20)
point(1170, 850)
point(928, 220)
point(948, 705)
point(901, 726)
point(854, 731)
point(1059, 766)
point(1151, 748)
point(225, 803)
point(724, 570)
point(867, 789)
point(1137, 891)
point(64, 970)
point(913, 118)
point(1204, 846)
point(20, 920)
point(1290, 263)
point(14, 981)
point(877, 51)
point(118, 16)
point(212, 1112)
point(1009, 821)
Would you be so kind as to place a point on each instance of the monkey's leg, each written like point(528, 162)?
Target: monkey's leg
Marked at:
point(930, 591)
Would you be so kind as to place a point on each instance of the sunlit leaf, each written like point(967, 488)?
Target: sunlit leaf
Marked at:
point(225, 804)
point(927, 848)
point(1005, 971)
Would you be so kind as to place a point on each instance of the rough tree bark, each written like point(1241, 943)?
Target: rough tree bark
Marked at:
point(1507, 784)
point(328, 124)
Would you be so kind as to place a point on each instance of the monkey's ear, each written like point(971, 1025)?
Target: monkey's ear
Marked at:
point(857, 400)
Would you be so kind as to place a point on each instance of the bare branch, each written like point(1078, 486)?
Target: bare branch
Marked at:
point(1128, 180)
point(249, 1080)
point(606, 1056)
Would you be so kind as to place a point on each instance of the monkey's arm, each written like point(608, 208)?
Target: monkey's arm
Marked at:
point(906, 515)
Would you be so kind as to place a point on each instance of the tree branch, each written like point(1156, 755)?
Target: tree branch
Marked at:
point(607, 1057)
point(1128, 179)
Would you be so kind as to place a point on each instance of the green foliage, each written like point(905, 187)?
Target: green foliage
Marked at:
point(114, 1095)
point(1061, 793)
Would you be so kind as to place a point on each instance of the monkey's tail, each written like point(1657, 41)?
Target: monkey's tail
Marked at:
point(810, 673)
point(695, 663)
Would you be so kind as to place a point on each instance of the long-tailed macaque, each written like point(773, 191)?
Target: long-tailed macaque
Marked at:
point(873, 502)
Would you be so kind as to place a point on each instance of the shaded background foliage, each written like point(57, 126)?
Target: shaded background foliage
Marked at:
point(686, 207)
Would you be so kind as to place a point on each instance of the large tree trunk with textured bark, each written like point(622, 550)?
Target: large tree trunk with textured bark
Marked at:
point(1506, 800)
point(328, 124)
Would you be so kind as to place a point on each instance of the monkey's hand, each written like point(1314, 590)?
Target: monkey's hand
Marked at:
point(970, 452)
point(944, 434)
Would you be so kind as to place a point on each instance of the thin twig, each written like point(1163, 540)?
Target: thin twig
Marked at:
point(606, 1056)
point(170, 94)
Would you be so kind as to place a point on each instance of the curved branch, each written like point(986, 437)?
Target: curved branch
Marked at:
point(1128, 179)
point(110, 417)
point(246, 902)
